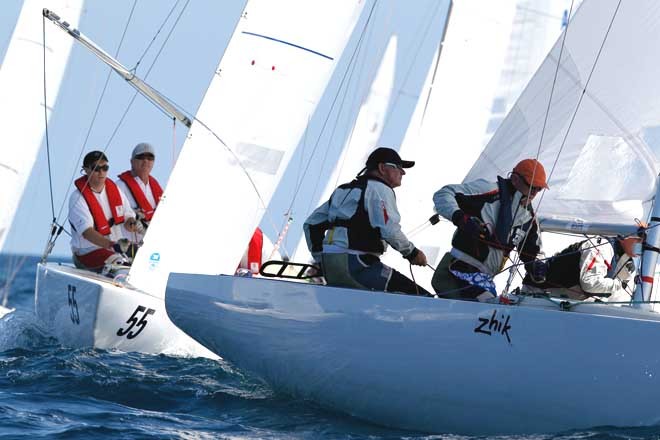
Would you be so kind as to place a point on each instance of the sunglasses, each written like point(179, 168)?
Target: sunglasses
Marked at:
point(393, 165)
point(534, 189)
point(147, 156)
point(100, 168)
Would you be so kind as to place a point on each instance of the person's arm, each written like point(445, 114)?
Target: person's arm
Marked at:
point(314, 227)
point(593, 270)
point(130, 220)
point(445, 200)
point(98, 239)
point(380, 204)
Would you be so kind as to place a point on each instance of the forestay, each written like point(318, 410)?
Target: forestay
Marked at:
point(365, 133)
point(22, 96)
point(601, 147)
point(259, 102)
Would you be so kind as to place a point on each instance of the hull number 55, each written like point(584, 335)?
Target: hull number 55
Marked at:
point(137, 321)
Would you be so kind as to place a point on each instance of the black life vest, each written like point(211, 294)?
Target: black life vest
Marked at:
point(362, 236)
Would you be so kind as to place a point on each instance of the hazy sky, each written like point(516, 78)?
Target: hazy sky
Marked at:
point(182, 72)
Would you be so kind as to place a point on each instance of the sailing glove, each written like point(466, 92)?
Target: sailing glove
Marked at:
point(471, 225)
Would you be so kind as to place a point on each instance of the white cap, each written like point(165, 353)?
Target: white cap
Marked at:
point(141, 148)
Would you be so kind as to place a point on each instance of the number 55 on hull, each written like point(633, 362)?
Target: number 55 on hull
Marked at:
point(86, 310)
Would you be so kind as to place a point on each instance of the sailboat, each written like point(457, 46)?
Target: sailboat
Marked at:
point(275, 65)
point(22, 85)
point(539, 364)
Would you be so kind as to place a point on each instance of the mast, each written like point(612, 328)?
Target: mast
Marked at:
point(651, 246)
point(115, 65)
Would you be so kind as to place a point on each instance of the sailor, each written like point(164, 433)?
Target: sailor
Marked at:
point(492, 219)
point(599, 267)
point(141, 188)
point(100, 217)
point(349, 232)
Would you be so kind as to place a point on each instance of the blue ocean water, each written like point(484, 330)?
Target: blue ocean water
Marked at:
point(51, 391)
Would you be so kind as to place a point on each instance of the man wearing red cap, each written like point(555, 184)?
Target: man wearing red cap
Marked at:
point(492, 219)
point(349, 232)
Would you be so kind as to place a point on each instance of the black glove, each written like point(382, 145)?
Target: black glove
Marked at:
point(472, 226)
point(121, 246)
point(411, 256)
point(125, 247)
point(538, 269)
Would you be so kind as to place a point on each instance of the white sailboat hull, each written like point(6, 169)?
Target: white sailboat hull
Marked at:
point(428, 364)
point(82, 309)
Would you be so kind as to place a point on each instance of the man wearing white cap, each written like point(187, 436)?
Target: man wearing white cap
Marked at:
point(141, 188)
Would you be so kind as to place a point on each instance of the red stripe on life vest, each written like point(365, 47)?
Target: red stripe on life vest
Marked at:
point(593, 261)
point(647, 279)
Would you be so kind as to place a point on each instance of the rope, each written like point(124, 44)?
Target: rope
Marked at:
point(132, 99)
point(96, 111)
point(50, 177)
point(545, 122)
point(137, 64)
point(334, 101)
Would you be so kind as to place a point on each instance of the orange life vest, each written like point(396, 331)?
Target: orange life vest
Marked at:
point(101, 223)
point(139, 195)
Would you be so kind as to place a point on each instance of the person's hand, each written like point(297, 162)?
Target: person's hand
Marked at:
point(416, 257)
point(471, 225)
point(131, 224)
point(419, 260)
point(121, 246)
point(538, 270)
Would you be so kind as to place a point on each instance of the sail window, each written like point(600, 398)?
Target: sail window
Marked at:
point(259, 158)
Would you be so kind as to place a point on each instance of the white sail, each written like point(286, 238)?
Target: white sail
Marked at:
point(600, 140)
point(22, 95)
point(366, 131)
point(265, 90)
point(449, 138)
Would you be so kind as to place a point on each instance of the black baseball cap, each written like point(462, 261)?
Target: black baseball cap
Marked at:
point(92, 157)
point(388, 155)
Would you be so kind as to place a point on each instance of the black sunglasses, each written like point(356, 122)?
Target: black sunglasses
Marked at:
point(147, 156)
point(100, 168)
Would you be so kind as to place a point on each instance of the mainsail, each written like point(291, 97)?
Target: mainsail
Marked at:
point(590, 115)
point(253, 116)
point(22, 95)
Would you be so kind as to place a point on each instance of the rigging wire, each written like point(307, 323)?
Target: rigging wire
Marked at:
point(334, 101)
point(545, 121)
point(144, 53)
point(50, 177)
point(577, 107)
point(118, 125)
point(98, 107)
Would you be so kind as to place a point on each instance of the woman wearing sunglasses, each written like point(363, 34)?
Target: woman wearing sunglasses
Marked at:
point(100, 217)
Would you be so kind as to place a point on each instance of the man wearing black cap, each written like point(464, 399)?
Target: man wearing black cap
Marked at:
point(349, 232)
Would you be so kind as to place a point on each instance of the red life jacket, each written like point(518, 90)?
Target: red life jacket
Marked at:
point(254, 251)
point(101, 223)
point(139, 195)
